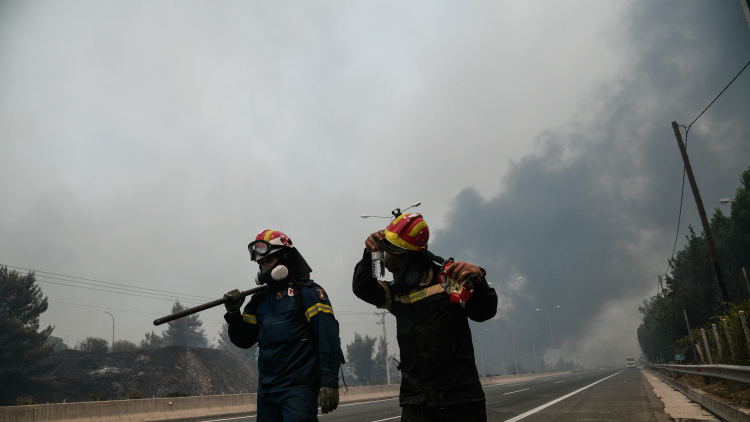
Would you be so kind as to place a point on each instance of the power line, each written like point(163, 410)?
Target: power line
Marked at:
point(110, 291)
point(154, 295)
point(128, 310)
point(717, 97)
point(109, 283)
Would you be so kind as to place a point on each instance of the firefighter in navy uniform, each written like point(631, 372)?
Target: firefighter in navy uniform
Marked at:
point(439, 381)
point(298, 337)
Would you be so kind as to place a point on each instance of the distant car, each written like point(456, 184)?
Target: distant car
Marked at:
point(629, 362)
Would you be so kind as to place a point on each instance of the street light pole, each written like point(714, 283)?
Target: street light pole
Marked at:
point(113, 331)
point(554, 349)
point(502, 355)
point(533, 346)
point(510, 322)
point(482, 353)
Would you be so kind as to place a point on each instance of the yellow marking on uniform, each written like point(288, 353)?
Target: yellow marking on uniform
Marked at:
point(250, 319)
point(318, 307)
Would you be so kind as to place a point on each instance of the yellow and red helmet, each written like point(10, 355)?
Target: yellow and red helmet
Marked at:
point(406, 233)
point(268, 242)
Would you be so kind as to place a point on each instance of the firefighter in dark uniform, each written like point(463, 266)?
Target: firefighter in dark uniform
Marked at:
point(432, 304)
point(298, 337)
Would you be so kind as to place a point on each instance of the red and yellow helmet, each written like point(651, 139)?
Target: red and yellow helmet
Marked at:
point(407, 233)
point(268, 242)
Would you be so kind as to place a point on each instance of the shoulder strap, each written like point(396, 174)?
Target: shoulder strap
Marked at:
point(297, 288)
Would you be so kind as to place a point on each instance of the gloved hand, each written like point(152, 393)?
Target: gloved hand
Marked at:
point(328, 399)
point(235, 301)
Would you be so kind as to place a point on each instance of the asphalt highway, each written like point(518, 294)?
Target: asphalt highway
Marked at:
point(603, 395)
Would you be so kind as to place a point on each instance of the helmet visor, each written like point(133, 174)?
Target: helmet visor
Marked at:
point(261, 248)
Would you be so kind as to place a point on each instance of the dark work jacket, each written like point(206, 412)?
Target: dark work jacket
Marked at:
point(437, 353)
point(296, 349)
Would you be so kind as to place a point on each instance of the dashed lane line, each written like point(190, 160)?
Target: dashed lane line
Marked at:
point(546, 405)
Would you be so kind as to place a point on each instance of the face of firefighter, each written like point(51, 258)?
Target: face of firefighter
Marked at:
point(268, 262)
point(396, 264)
point(406, 274)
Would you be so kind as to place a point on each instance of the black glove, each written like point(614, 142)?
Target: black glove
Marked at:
point(328, 398)
point(235, 301)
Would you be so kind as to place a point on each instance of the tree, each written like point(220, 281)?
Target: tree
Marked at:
point(379, 374)
point(359, 354)
point(21, 302)
point(186, 331)
point(93, 345)
point(152, 341)
point(57, 344)
point(124, 346)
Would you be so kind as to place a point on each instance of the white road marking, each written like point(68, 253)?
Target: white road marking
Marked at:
point(365, 402)
point(503, 385)
point(517, 391)
point(546, 405)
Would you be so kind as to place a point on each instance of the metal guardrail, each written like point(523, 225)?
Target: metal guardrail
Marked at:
point(729, 372)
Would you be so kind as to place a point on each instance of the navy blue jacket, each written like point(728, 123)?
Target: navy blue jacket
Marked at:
point(296, 349)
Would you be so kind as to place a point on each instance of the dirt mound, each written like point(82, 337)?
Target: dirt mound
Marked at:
point(73, 376)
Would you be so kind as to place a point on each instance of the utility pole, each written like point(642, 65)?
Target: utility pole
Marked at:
point(702, 213)
point(385, 342)
point(113, 330)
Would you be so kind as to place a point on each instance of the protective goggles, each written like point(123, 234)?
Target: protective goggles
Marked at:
point(261, 248)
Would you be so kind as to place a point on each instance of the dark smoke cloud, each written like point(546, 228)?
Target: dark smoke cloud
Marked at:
point(589, 220)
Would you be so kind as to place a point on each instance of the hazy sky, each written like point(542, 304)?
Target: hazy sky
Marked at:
point(146, 143)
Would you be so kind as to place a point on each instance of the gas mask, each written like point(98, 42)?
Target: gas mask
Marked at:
point(270, 276)
point(406, 281)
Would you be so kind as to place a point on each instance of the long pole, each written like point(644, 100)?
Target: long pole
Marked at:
point(205, 306)
point(113, 331)
point(702, 213)
point(536, 368)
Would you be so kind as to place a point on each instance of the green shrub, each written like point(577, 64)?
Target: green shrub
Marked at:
point(98, 397)
point(176, 393)
point(134, 395)
point(24, 401)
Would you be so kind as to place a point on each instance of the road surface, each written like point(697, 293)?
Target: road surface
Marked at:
point(603, 395)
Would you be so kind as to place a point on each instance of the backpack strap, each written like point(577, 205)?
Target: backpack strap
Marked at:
point(297, 288)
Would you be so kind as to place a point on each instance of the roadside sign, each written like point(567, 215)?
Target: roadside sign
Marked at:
point(679, 357)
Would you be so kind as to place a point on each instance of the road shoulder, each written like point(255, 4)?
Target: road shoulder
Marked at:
point(672, 404)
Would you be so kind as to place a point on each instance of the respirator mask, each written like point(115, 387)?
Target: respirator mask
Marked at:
point(407, 280)
point(270, 276)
